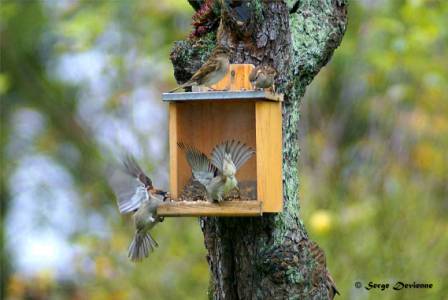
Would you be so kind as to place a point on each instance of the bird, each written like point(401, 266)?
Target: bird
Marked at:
point(331, 285)
point(217, 174)
point(318, 255)
point(262, 77)
point(212, 71)
point(135, 194)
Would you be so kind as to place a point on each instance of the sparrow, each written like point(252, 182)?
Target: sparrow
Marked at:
point(331, 285)
point(217, 174)
point(263, 77)
point(319, 257)
point(212, 71)
point(135, 194)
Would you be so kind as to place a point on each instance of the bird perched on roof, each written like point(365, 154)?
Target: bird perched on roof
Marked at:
point(212, 71)
point(263, 77)
point(217, 174)
point(136, 194)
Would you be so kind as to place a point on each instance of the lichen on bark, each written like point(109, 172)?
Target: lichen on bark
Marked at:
point(265, 257)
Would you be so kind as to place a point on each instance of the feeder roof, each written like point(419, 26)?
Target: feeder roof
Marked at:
point(222, 95)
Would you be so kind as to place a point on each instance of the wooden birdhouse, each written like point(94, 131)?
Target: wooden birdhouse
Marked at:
point(204, 119)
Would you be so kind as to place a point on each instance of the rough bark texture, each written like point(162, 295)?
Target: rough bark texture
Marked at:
point(267, 257)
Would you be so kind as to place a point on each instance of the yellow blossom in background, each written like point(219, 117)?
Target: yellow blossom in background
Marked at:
point(428, 158)
point(321, 222)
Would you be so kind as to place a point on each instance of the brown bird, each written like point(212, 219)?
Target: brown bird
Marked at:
point(263, 77)
point(136, 194)
point(212, 71)
point(331, 286)
point(318, 255)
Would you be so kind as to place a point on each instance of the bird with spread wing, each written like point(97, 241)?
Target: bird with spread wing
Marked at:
point(136, 194)
point(218, 174)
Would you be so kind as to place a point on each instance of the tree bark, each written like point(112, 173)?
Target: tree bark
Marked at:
point(267, 257)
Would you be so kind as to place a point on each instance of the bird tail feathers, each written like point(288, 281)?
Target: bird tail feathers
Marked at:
point(141, 245)
point(184, 85)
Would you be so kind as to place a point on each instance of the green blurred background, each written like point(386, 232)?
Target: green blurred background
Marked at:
point(80, 82)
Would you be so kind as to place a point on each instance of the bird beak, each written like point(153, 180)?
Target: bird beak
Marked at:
point(159, 192)
point(166, 197)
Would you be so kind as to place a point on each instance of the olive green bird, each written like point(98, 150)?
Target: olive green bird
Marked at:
point(218, 174)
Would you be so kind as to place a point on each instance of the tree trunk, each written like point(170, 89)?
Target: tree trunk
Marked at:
point(267, 257)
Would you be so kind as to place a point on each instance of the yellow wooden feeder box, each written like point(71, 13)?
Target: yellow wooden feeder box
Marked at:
point(204, 119)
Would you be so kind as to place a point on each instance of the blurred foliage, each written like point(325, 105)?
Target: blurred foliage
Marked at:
point(374, 138)
point(69, 113)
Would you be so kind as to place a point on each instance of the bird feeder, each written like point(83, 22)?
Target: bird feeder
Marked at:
point(204, 119)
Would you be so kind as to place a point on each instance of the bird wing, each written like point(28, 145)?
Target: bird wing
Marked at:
point(207, 68)
point(203, 171)
point(132, 168)
point(199, 76)
point(130, 192)
point(130, 185)
point(240, 153)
